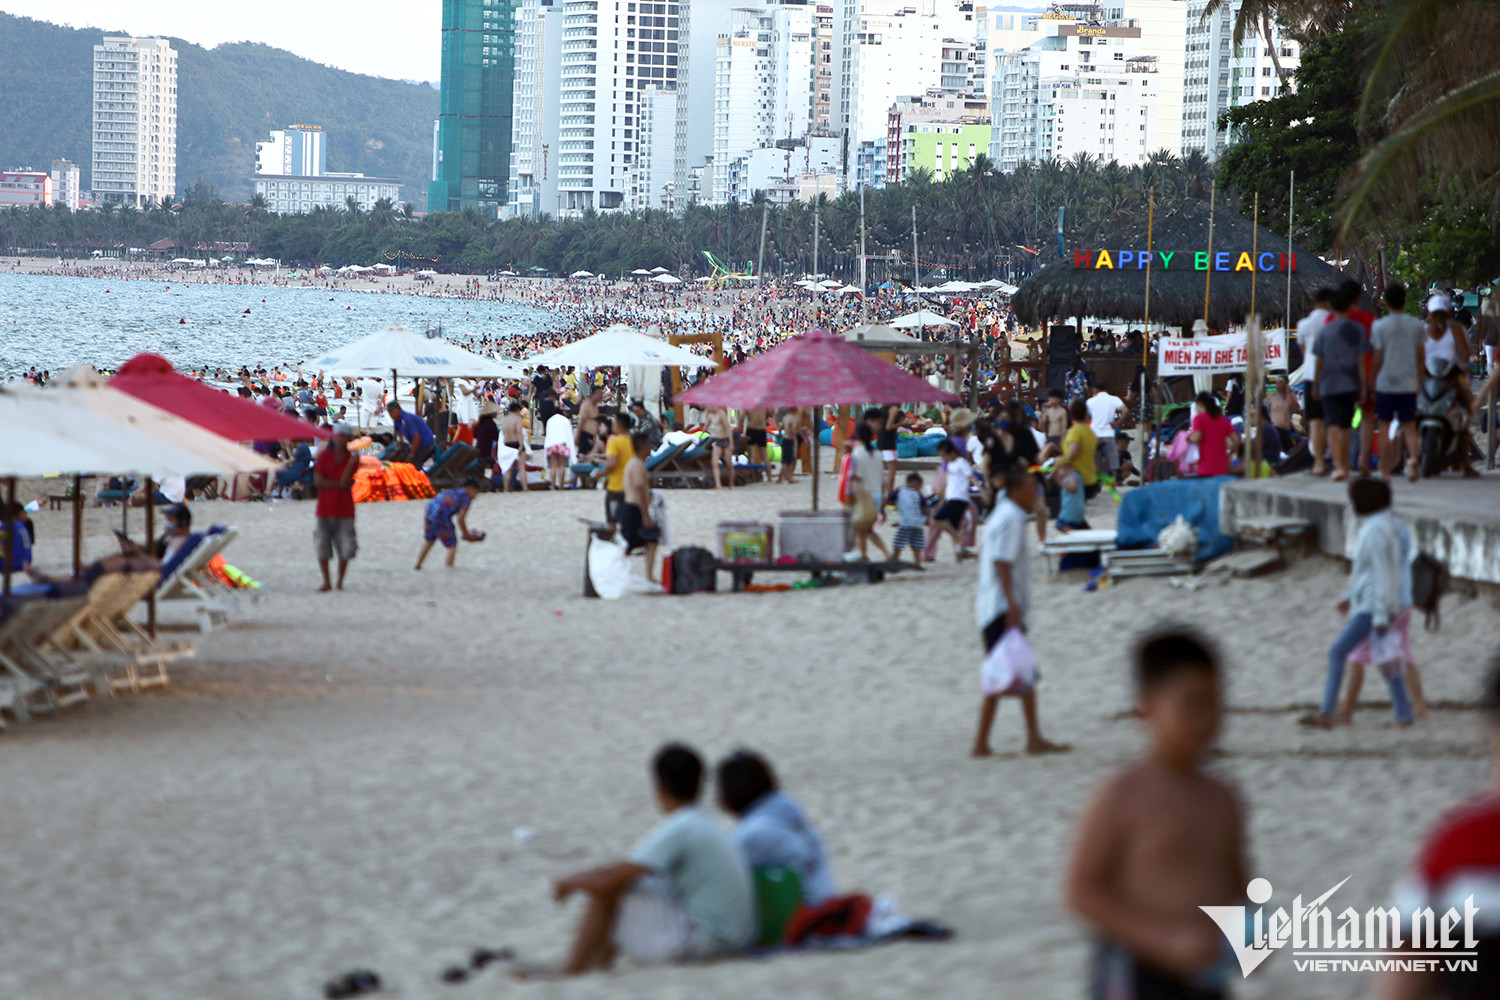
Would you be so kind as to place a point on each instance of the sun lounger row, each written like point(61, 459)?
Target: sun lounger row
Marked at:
point(58, 650)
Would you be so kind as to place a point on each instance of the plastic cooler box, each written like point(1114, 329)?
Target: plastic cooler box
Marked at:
point(825, 534)
point(745, 541)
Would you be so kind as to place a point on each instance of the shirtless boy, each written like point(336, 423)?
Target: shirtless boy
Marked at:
point(1163, 838)
point(1054, 418)
point(753, 426)
point(716, 422)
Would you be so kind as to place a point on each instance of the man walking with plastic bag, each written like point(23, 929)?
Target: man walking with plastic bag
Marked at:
point(1009, 668)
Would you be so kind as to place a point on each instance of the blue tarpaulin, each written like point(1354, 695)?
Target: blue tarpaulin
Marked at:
point(1145, 511)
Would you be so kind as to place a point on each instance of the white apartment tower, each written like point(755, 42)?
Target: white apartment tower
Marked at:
point(1220, 75)
point(744, 87)
point(1087, 89)
point(135, 120)
point(65, 184)
point(532, 186)
point(611, 51)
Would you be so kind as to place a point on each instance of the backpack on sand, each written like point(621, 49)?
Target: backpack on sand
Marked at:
point(1429, 581)
point(694, 569)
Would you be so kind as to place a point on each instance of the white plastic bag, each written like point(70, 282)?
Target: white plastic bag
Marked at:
point(1178, 539)
point(1010, 668)
point(1386, 653)
point(611, 573)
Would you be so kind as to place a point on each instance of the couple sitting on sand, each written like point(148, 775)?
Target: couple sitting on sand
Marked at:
point(686, 893)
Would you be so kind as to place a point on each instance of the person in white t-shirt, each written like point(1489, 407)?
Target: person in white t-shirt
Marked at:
point(1312, 404)
point(1105, 410)
point(949, 518)
point(1002, 597)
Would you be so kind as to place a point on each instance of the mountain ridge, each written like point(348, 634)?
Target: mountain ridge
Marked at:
point(228, 98)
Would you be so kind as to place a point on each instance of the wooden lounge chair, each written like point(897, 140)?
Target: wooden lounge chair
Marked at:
point(31, 622)
point(454, 466)
point(688, 467)
point(103, 640)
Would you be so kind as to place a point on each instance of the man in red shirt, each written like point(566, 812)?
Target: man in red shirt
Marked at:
point(333, 475)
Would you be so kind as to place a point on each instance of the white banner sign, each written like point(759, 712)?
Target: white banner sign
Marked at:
point(1211, 355)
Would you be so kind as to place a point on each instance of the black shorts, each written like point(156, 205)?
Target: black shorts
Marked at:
point(951, 511)
point(992, 632)
point(612, 503)
point(1119, 975)
point(1392, 406)
point(632, 527)
point(1338, 409)
point(755, 437)
point(1312, 408)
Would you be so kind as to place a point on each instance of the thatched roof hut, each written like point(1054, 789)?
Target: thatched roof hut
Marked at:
point(1089, 283)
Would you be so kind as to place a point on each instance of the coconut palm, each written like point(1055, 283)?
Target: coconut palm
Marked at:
point(1433, 105)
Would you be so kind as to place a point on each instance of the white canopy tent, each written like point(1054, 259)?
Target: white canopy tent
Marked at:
point(581, 274)
point(667, 279)
point(919, 319)
point(397, 349)
point(619, 346)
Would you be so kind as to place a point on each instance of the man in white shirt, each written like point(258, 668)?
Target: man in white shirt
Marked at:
point(1002, 596)
point(949, 517)
point(1312, 404)
point(1105, 410)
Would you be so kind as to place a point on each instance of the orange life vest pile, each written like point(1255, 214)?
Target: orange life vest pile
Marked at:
point(374, 482)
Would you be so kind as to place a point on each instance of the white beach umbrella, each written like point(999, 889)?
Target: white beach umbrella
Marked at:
point(706, 277)
point(849, 290)
point(642, 272)
point(581, 274)
point(620, 346)
point(397, 349)
point(660, 270)
point(921, 318)
point(667, 279)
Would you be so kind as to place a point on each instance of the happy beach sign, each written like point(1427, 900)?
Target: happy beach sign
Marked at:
point(1173, 260)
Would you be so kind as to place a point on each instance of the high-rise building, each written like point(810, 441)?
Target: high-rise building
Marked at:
point(475, 109)
point(1220, 75)
point(533, 183)
point(66, 189)
point(297, 149)
point(1086, 89)
point(612, 50)
point(906, 53)
point(744, 92)
point(940, 132)
point(135, 120)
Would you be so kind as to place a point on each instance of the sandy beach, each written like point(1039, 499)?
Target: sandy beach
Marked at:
point(389, 777)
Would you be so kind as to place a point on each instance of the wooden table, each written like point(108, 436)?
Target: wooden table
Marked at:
point(57, 501)
point(866, 572)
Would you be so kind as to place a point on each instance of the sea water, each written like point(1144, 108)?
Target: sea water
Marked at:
point(57, 322)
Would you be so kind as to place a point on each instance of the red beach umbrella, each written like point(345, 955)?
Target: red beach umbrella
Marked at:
point(151, 378)
point(816, 368)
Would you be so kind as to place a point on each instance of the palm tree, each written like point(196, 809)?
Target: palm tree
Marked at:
point(1434, 106)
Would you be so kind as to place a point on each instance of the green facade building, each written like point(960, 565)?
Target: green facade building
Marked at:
point(472, 160)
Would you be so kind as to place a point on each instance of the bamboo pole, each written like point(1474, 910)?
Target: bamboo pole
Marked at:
point(1208, 274)
point(150, 530)
point(1146, 414)
point(77, 525)
point(1291, 211)
point(10, 535)
point(1254, 251)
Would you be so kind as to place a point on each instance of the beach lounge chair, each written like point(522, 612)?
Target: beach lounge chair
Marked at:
point(56, 679)
point(28, 624)
point(186, 577)
point(453, 466)
point(689, 467)
point(105, 642)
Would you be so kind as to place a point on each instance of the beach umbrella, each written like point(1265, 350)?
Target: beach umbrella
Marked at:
point(581, 274)
point(641, 271)
point(816, 368)
point(667, 279)
point(428, 273)
point(396, 349)
point(879, 335)
point(150, 377)
point(620, 346)
point(920, 318)
point(849, 290)
point(659, 270)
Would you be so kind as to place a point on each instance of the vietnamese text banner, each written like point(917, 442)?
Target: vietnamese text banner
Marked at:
point(1209, 355)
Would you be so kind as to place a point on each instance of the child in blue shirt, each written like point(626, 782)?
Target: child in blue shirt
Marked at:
point(911, 530)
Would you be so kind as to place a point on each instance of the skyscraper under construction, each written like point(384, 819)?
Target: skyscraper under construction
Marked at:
point(473, 138)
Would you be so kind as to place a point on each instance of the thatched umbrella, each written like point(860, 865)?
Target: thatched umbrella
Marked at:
point(1062, 289)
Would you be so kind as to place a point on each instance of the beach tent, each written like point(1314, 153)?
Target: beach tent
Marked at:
point(920, 318)
point(817, 368)
point(660, 270)
point(503, 274)
point(620, 346)
point(642, 272)
point(879, 335)
point(428, 273)
point(581, 274)
point(150, 377)
point(667, 279)
point(396, 349)
point(849, 290)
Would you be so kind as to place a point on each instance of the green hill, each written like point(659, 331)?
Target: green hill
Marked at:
point(228, 99)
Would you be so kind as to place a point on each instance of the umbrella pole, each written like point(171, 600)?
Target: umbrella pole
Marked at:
point(77, 525)
point(10, 533)
point(150, 529)
point(815, 437)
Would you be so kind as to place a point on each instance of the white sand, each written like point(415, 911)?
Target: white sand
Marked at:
point(338, 780)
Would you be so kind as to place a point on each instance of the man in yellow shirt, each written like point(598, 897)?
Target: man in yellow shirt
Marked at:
point(617, 453)
point(1079, 446)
